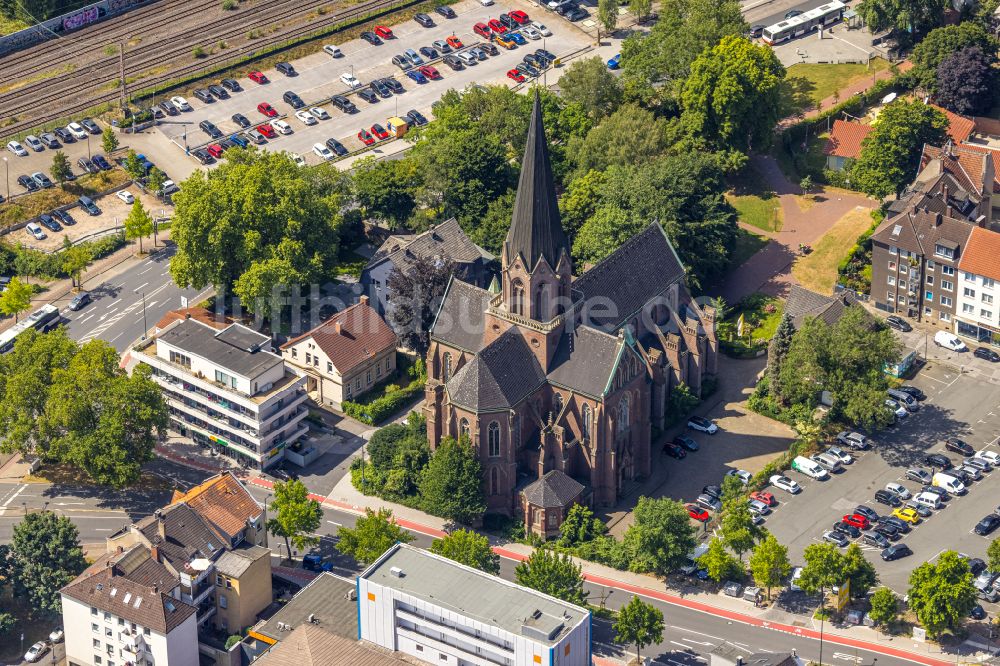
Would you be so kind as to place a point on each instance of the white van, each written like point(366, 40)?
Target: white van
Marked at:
point(949, 483)
point(949, 341)
point(793, 584)
point(929, 500)
point(809, 467)
point(829, 461)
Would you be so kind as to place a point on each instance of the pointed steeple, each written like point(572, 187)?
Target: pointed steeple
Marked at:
point(535, 228)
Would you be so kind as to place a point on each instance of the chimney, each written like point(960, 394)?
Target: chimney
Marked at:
point(154, 553)
point(187, 315)
point(363, 300)
point(937, 219)
point(338, 328)
point(161, 524)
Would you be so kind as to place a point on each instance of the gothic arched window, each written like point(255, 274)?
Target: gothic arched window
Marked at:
point(623, 413)
point(493, 436)
point(463, 428)
point(557, 401)
point(517, 297)
point(494, 482)
point(446, 366)
point(588, 415)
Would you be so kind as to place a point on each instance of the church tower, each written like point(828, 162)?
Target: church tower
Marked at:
point(536, 265)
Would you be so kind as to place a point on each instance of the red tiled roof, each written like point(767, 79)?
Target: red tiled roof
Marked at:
point(361, 335)
point(994, 156)
point(223, 502)
point(198, 314)
point(981, 253)
point(959, 127)
point(845, 139)
point(964, 161)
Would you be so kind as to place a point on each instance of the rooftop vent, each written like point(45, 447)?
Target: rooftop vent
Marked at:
point(397, 572)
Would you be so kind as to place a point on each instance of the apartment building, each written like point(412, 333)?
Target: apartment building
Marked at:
point(243, 587)
point(978, 315)
point(227, 389)
point(442, 612)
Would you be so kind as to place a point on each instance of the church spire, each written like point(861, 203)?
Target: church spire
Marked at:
point(535, 228)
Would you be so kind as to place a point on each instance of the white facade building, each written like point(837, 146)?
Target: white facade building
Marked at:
point(443, 612)
point(228, 390)
point(977, 315)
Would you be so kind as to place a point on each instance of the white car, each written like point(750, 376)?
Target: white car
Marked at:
point(743, 475)
point(540, 27)
point(531, 32)
point(897, 409)
point(56, 636)
point(306, 117)
point(180, 103)
point(126, 196)
point(899, 490)
point(486, 3)
point(320, 112)
point(702, 424)
point(324, 152)
point(281, 126)
point(76, 129)
point(840, 454)
point(298, 159)
point(333, 51)
point(350, 80)
point(35, 231)
point(786, 484)
point(36, 651)
point(16, 148)
point(992, 457)
point(34, 143)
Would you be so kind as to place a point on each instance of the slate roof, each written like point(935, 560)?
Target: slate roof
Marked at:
point(444, 240)
point(187, 535)
point(535, 228)
point(461, 316)
point(130, 600)
point(845, 139)
point(642, 268)
point(555, 489)
point(584, 360)
point(919, 232)
point(982, 254)
point(223, 502)
point(234, 563)
point(498, 377)
point(802, 303)
point(309, 645)
point(363, 336)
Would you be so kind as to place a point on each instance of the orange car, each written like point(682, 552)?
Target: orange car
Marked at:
point(454, 42)
point(504, 42)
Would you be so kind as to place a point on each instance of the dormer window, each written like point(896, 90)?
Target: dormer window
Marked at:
point(942, 251)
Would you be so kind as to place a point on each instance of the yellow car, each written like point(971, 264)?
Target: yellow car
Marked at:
point(907, 514)
point(504, 42)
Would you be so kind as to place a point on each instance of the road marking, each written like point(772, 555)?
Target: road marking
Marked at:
point(19, 491)
point(332, 522)
point(692, 631)
point(80, 321)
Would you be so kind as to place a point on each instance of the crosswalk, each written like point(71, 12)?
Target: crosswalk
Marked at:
point(113, 316)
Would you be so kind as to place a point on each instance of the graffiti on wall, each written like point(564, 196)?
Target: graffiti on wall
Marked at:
point(75, 20)
point(81, 18)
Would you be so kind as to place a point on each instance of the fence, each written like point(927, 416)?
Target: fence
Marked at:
point(60, 25)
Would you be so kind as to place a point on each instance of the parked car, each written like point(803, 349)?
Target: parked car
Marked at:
point(959, 446)
point(697, 513)
point(763, 496)
point(843, 456)
point(898, 323)
point(914, 391)
point(28, 183)
point(896, 551)
point(854, 440)
point(35, 231)
point(921, 510)
point(919, 475)
point(36, 651)
point(79, 301)
point(446, 11)
point(336, 146)
point(901, 526)
point(845, 528)
point(416, 118)
point(992, 457)
point(674, 451)
point(42, 180)
point(64, 217)
point(203, 95)
point(979, 463)
point(709, 502)
point(324, 152)
point(744, 476)
point(424, 20)
point(888, 498)
point(732, 589)
point(701, 424)
point(88, 205)
point(232, 85)
point(949, 341)
point(293, 100)
point(87, 165)
point(857, 520)
point(34, 143)
point(90, 126)
point(218, 91)
point(344, 104)
point(713, 490)
point(759, 507)
point(286, 69)
point(686, 442)
point(282, 127)
point(392, 84)
point(867, 512)
point(987, 525)
point(125, 196)
point(888, 530)
point(334, 51)
point(49, 139)
point(16, 148)
point(899, 490)
point(938, 460)
point(873, 538)
point(836, 538)
point(306, 117)
point(181, 103)
point(786, 484)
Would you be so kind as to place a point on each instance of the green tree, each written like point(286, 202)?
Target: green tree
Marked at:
point(966, 81)
point(909, 18)
point(61, 169)
point(7, 623)
point(589, 83)
point(45, 556)
point(109, 140)
point(941, 593)
point(554, 574)
point(719, 562)
point(777, 350)
point(452, 483)
point(372, 534)
point(616, 142)
point(885, 607)
point(640, 8)
point(490, 231)
point(737, 528)
point(604, 233)
point(607, 15)
point(580, 526)
point(580, 201)
point(859, 571)
point(639, 624)
point(824, 569)
point(417, 291)
point(386, 189)
point(806, 184)
point(993, 555)
point(16, 298)
point(155, 181)
point(941, 43)
point(469, 548)
point(732, 491)
point(296, 515)
point(732, 99)
point(660, 537)
point(769, 563)
point(133, 165)
point(890, 154)
point(74, 259)
point(139, 223)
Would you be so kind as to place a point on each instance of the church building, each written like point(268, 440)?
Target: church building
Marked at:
point(558, 381)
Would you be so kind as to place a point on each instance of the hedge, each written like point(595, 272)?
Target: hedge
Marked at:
point(380, 404)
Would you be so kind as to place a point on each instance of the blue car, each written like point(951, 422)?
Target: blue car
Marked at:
point(615, 62)
point(239, 141)
point(517, 38)
point(416, 76)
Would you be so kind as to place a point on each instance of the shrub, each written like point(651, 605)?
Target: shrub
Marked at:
point(199, 52)
point(385, 401)
point(229, 5)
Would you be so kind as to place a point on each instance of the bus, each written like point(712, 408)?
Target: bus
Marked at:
point(42, 320)
point(822, 16)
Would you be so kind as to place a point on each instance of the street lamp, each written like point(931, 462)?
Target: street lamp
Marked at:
point(145, 327)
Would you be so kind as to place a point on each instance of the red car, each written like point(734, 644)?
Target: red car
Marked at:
point(519, 16)
point(430, 72)
point(697, 512)
point(267, 130)
point(482, 30)
point(366, 138)
point(497, 27)
point(456, 43)
point(383, 32)
point(516, 75)
point(765, 497)
point(267, 110)
point(379, 132)
point(215, 150)
point(257, 77)
point(857, 520)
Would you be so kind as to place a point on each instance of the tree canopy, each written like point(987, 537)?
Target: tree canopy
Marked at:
point(452, 481)
point(138, 224)
point(16, 298)
point(966, 81)
point(372, 534)
point(660, 537)
point(639, 624)
point(588, 83)
point(296, 515)
point(417, 290)
point(941, 593)
point(942, 43)
point(769, 563)
point(554, 574)
point(469, 548)
point(43, 557)
point(910, 18)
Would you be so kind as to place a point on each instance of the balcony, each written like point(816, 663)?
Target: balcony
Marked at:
point(132, 642)
point(206, 609)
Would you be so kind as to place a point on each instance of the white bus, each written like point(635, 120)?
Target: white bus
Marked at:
point(44, 319)
point(822, 16)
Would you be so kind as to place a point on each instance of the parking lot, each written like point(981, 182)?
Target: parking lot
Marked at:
point(318, 79)
point(42, 160)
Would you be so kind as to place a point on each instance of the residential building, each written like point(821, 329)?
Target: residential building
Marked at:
point(803, 303)
point(442, 612)
point(309, 645)
point(226, 505)
point(545, 372)
point(970, 173)
point(349, 354)
point(243, 587)
point(227, 390)
point(444, 242)
point(978, 314)
point(844, 143)
point(125, 610)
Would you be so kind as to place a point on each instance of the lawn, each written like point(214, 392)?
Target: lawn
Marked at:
point(818, 270)
point(761, 314)
point(350, 263)
point(747, 244)
point(810, 84)
point(763, 212)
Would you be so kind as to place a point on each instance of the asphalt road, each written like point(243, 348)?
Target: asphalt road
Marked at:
point(769, 13)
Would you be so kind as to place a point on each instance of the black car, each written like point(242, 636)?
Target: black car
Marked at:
point(49, 140)
point(209, 128)
point(169, 107)
point(714, 491)
point(424, 20)
point(756, 30)
point(203, 95)
point(292, 99)
point(336, 146)
point(988, 354)
point(887, 498)
point(901, 525)
point(938, 460)
point(64, 217)
point(936, 490)
point(565, 7)
point(416, 117)
point(674, 451)
point(87, 165)
point(380, 88)
point(913, 391)
point(873, 538)
point(371, 38)
point(977, 613)
point(867, 512)
point(368, 95)
point(896, 551)
point(90, 126)
point(64, 135)
point(46, 221)
point(976, 566)
point(453, 62)
point(686, 442)
point(849, 530)
point(344, 104)
point(529, 70)
point(202, 156)
point(490, 48)
point(446, 11)
point(428, 52)
point(545, 54)
point(218, 91)
point(88, 205)
point(286, 69)
point(508, 21)
point(577, 14)
point(887, 530)
point(241, 120)
point(393, 85)
point(80, 300)
point(987, 524)
point(898, 323)
point(959, 446)
point(232, 85)
point(28, 183)
point(793, 14)
point(101, 161)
